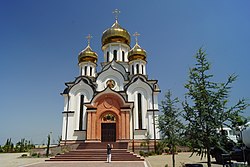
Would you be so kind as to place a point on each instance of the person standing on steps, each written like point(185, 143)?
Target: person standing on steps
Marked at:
point(109, 147)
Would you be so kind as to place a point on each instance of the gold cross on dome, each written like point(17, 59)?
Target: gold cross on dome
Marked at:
point(116, 12)
point(89, 38)
point(136, 34)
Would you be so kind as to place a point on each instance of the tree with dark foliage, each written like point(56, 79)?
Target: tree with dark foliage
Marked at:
point(206, 108)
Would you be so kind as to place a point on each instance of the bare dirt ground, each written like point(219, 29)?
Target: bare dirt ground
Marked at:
point(14, 160)
point(180, 159)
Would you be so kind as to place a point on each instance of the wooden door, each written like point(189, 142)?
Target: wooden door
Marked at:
point(108, 132)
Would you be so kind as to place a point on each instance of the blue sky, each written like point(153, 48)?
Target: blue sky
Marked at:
point(40, 42)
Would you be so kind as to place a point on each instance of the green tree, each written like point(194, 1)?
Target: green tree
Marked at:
point(48, 144)
point(170, 123)
point(9, 146)
point(206, 106)
point(24, 145)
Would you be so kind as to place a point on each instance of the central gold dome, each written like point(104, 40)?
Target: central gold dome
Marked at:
point(115, 34)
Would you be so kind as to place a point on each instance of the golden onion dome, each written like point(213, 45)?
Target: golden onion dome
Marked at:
point(87, 55)
point(137, 53)
point(115, 34)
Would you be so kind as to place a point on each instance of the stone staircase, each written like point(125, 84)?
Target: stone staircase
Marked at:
point(98, 152)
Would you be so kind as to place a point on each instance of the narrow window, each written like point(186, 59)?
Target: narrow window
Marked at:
point(81, 112)
point(123, 56)
point(115, 55)
point(81, 71)
point(142, 69)
point(137, 68)
point(133, 69)
point(90, 69)
point(107, 56)
point(85, 70)
point(139, 111)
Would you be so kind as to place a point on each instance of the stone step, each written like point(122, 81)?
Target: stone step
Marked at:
point(103, 145)
point(97, 152)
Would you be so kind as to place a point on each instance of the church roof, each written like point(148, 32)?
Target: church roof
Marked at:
point(87, 54)
point(115, 34)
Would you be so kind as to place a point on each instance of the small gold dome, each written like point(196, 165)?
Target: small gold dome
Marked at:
point(137, 53)
point(115, 34)
point(87, 55)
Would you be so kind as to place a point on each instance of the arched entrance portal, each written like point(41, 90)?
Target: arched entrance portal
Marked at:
point(109, 118)
point(108, 127)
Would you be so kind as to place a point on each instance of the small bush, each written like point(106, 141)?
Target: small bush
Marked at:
point(158, 152)
point(142, 153)
point(34, 154)
point(24, 155)
point(150, 153)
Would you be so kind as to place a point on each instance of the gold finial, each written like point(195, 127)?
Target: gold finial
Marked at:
point(89, 38)
point(116, 12)
point(136, 34)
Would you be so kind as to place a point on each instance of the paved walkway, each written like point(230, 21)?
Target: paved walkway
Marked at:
point(14, 160)
point(88, 164)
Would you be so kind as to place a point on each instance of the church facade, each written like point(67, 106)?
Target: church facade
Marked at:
point(118, 103)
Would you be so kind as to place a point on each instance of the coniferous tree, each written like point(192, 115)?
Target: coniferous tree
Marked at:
point(206, 107)
point(48, 144)
point(170, 124)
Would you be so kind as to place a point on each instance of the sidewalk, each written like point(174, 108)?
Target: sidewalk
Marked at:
point(14, 160)
point(88, 164)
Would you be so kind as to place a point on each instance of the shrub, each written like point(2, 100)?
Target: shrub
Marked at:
point(24, 155)
point(34, 154)
point(142, 153)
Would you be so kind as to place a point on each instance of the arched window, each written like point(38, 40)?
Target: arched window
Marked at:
point(85, 70)
point(108, 118)
point(81, 112)
point(137, 68)
point(139, 111)
point(107, 56)
point(90, 69)
point(142, 69)
point(115, 54)
point(123, 56)
point(133, 71)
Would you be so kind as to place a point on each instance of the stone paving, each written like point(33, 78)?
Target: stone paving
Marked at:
point(13, 160)
point(88, 164)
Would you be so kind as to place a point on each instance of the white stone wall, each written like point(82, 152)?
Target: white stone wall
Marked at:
point(110, 74)
point(119, 47)
point(75, 93)
point(87, 69)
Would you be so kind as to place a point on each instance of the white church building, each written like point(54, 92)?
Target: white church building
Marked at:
point(119, 103)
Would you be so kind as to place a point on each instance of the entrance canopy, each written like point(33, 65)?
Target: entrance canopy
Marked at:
point(108, 117)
